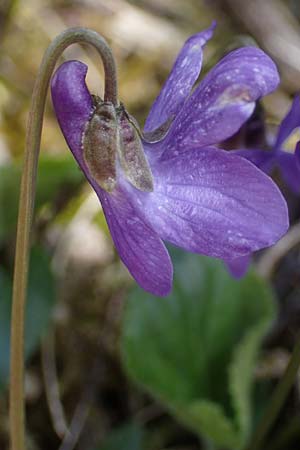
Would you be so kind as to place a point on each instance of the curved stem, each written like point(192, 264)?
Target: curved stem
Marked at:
point(26, 207)
point(277, 400)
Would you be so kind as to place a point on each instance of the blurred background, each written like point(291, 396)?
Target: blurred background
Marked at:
point(108, 366)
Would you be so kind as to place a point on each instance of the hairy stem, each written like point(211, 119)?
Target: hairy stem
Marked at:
point(26, 207)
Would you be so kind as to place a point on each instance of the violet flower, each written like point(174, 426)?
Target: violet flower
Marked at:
point(288, 162)
point(181, 188)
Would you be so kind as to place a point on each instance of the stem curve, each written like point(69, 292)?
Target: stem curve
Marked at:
point(26, 207)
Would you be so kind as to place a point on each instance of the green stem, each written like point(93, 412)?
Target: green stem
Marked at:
point(26, 208)
point(278, 398)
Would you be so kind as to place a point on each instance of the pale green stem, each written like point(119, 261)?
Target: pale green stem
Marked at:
point(26, 208)
point(278, 398)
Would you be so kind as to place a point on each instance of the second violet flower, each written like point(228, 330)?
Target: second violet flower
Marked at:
point(171, 182)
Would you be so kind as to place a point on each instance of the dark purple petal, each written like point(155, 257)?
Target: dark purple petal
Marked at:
point(209, 201)
point(238, 267)
point(289, 123)
point(180, 81)
point(139, 247)
point(263, 159)
point(290, 170)
point(224, 100)
point(72, 103)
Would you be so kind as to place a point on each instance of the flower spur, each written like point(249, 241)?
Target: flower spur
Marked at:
point(170, 182)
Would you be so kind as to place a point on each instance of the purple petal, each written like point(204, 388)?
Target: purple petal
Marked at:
point(139, 247)
point(224, 100)
point(289, 123)
point(209, 201)
point(72, 103)
point(180, 81)
point(297, 154)
point(290, 169)
point(238, 267)
point(263, 159)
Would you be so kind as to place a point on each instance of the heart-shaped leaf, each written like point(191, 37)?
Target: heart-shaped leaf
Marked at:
point(196, 350)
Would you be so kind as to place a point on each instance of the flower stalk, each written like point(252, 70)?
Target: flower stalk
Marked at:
point(26, 207)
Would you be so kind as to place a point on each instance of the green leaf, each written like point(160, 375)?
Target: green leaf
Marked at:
point(39, 307)
point(210, 419)
point(127, 437)
point(241, 373)
point(196, 349)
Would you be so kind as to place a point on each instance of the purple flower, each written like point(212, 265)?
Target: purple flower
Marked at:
point(180, 189)
point(287, 162)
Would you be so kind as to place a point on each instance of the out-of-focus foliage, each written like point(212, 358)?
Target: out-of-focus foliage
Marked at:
point(41, 300)
point(91, 282)
point(5, 308)
point(55, 174)
point(196, 350)
point(128, 437)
